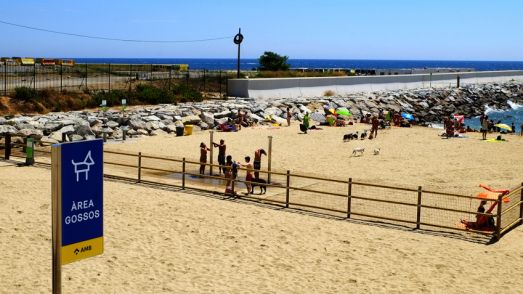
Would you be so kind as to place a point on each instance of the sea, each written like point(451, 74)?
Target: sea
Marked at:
point(514, 115)
point(251, 63)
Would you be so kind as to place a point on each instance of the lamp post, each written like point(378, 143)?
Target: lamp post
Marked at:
point(238, 40)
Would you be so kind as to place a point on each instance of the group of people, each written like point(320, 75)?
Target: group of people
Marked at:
point(230, 168)
point(452, 126)
point(488, 125)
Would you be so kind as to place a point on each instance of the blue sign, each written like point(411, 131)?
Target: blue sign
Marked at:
point(81, 190)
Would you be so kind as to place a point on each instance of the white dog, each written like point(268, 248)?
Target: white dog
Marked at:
point(377, 151)
point(358, 151)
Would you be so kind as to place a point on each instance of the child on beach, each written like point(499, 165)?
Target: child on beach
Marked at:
point(203, 157)
point(221, 154)
point(289, 116)
point(227, 171)
point(248, 175)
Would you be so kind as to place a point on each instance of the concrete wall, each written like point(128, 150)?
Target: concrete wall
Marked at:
point(314, 87)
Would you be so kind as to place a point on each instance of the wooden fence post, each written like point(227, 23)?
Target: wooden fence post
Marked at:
point(183, 174)
point(7, 150)
point(288, 190)
point(498, 218)
point(269, 159)
point(139, 167)
point(211, 140)
point(520, 206)
point(349, 198)
point(418, 216)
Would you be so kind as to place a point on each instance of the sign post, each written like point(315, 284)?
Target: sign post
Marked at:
point(77, 203)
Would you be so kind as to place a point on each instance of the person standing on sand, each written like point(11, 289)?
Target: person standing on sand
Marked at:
point(306, 122)
point(289, 116)
point(203, 157)
point(257, 162)
point(521, 129)
point(227, 173)
point(221, 154)
point(374, 129)
point(248, 176)
point(240, 119)
point(484, 127)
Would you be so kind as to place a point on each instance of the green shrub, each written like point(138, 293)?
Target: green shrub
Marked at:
point(273, 61)
point(25, 94)
point(152, 95)
point(329, 93)
point(112, 98)
point(186, 94)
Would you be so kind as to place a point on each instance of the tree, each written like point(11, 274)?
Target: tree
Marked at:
point(272, 61)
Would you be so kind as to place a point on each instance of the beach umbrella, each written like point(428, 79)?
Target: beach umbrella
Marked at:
point(459, 118)
point(343, 111)
point(504, 126)
point(319, 117)
point(407, 116)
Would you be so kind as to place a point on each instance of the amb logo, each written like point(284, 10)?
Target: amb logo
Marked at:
point(83, 249)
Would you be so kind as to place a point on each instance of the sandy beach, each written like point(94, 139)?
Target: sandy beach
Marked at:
point(168, 241)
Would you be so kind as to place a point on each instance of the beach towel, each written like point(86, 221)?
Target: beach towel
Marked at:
point(493, 140)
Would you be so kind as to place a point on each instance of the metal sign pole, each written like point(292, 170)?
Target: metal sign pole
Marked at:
point(238, 40)
point(56, 218)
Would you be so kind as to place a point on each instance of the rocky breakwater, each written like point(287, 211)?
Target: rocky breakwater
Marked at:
point(429, 105)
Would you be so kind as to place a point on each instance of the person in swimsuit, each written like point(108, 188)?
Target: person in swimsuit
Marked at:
point(289, 116)
point(374, 129)
point(482, 221)
point(257, 162)
point(248, 175)
point(227, 171)
point(221, 154)
point(240, 119)
point(484, 127)
point(203, 157)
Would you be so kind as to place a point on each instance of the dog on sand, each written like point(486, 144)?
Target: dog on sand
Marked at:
point(259, 182)
point(358, 151)
point(347, 137)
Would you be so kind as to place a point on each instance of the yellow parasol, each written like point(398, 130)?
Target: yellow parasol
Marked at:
point(504, 126)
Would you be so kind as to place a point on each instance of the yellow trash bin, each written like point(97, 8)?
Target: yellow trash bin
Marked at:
point(188, 130)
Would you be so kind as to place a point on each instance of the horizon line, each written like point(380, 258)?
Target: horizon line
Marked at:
point(341, 59)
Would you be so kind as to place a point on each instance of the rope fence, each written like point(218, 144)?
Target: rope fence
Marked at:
point(408, 207)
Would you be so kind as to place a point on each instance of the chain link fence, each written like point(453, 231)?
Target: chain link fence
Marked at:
point(107, 77)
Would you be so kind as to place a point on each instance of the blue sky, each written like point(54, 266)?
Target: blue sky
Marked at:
point(328, 29)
